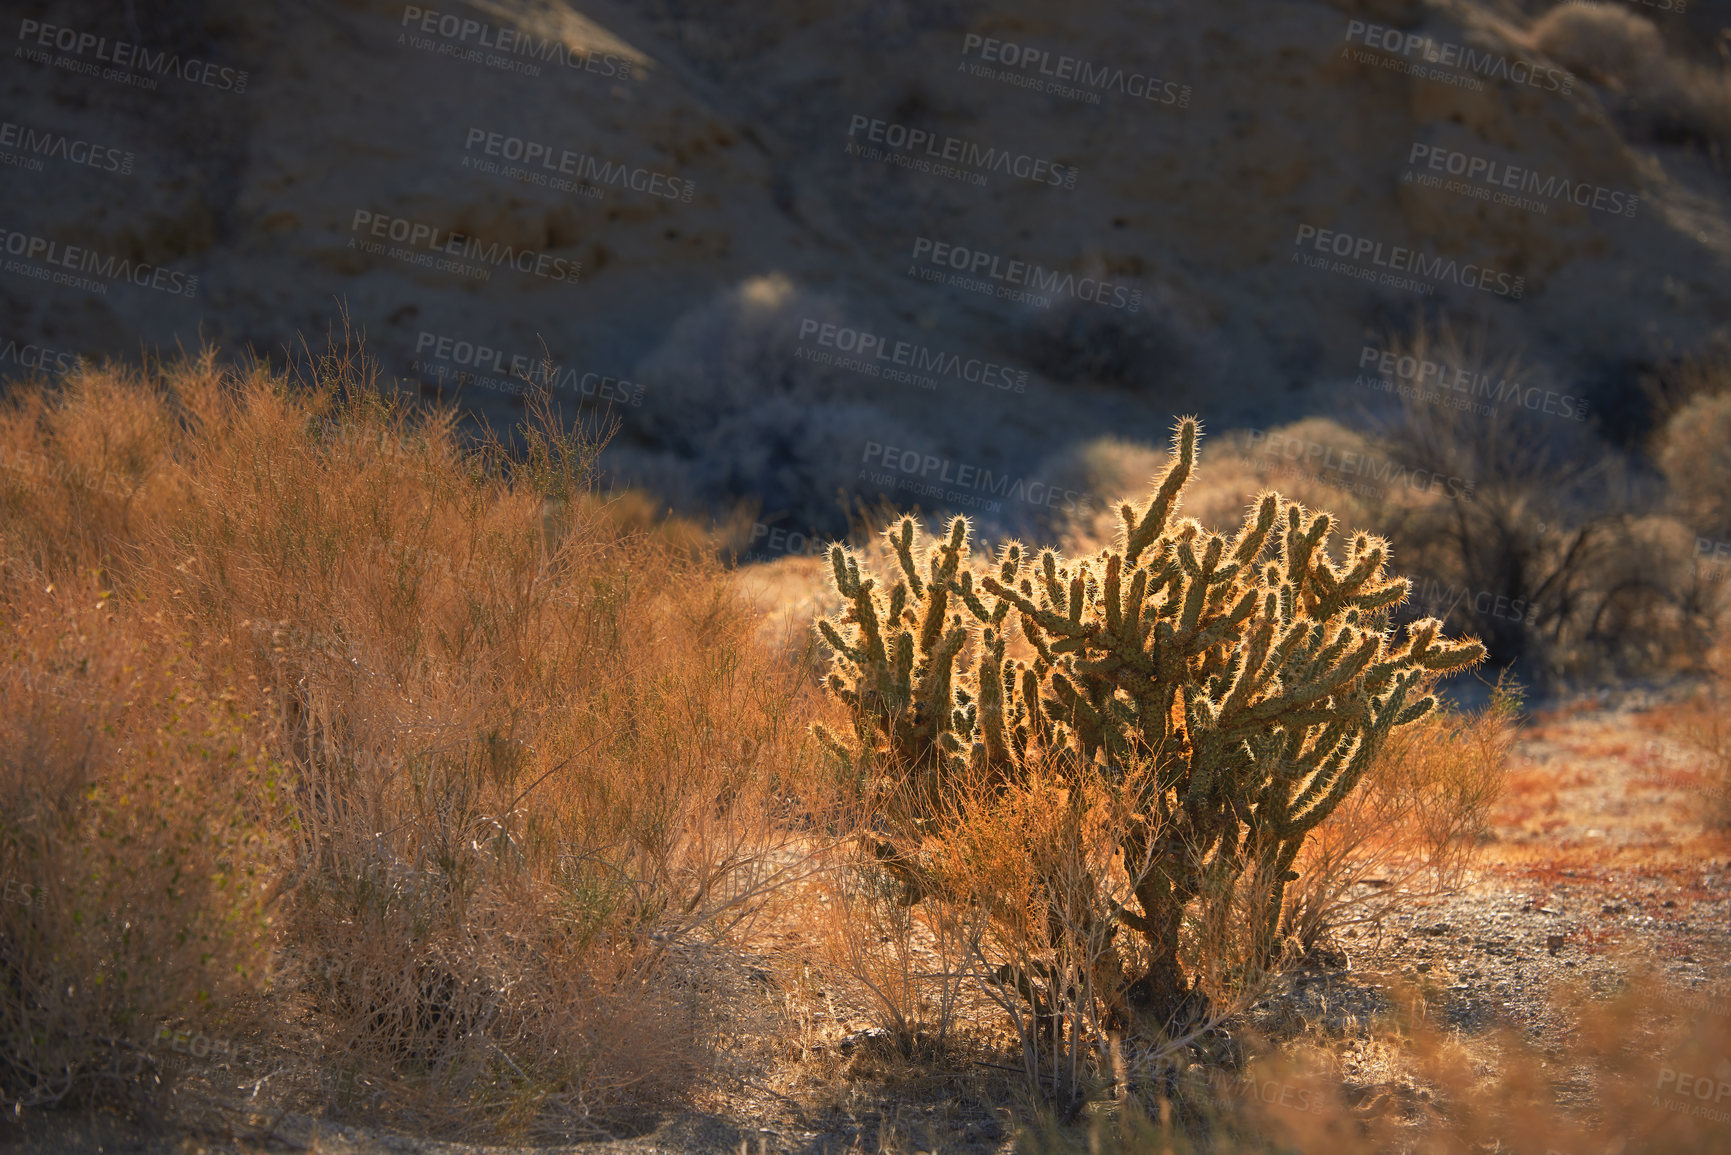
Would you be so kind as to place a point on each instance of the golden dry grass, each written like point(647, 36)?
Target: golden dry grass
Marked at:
point(442, 765)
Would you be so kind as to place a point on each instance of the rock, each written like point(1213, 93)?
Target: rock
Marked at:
point(851, 1043)
point(1554, 942)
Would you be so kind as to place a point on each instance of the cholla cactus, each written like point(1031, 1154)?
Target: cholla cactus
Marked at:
point(1239, 686)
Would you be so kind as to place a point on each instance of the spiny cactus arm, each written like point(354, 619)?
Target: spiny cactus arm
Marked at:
point(1321, 584)
point(828, 740)
point(943, 561)
point(1062, 625)
point(1320, 679)
point(1362, 586)
point(993, 725)
point(1333, 783)
point(1302, 539)
point(1068, 706)
point(862, 612)
point(1383, 597)
point(1413, 711)
point(1113, 600)
point(1118, 733)
point(1196, 588)
point(1326, 771)
point(1142, 530)
point(1200, 716)
point(1258, 524)
point(1314, 805)
point(963, 588)
point(898, 602)
point(1039, 717)
point(1054, 580)
point(1253, 671)
point(1225, 626)
point(1331, 668)
point(839, 644)
point(933, 688)
point(1299, 688)
point(895, 680)
point(1221, 676)
point(901, 539)
point(1335, 737)
point(846, 576)
point(1426, 647)
point(1132, 630)
point(1037, 638)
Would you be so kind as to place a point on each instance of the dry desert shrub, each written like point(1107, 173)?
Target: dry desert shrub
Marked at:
point(1601, 41)
point(526, 751)
point(907, 967)
point(1673, 98)
point(1557, 556)
point(1695, 454)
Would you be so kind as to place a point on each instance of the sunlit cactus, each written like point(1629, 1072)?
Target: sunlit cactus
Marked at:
point(1240, 686)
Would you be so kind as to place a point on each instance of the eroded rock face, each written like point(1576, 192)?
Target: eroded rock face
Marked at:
point(1172, 209)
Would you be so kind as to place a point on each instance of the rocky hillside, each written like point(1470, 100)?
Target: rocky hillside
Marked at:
point(805, 252)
